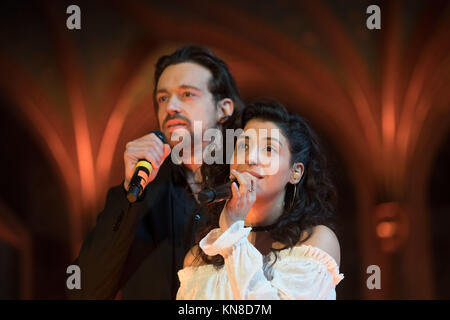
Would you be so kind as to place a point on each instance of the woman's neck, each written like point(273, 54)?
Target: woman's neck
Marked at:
point(265, 211)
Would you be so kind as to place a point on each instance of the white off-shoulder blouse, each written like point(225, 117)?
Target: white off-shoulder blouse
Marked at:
point(301, 272)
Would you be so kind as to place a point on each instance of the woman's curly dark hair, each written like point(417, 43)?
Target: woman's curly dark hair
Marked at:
point(315, 197)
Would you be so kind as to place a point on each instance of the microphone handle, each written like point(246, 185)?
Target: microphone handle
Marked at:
point(142, 172)
point(220, 193)
point(139, 181)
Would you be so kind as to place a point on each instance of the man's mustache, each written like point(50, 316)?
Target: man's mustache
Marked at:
point(178, 116)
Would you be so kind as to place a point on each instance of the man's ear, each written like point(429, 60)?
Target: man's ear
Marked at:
point(225, 109)
point(298, 170)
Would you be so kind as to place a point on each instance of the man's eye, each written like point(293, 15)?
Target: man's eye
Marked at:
point(162, 99)
point(188, 94)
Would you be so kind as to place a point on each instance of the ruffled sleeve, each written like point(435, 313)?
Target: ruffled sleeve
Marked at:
point(303, 272)
point(243, 262)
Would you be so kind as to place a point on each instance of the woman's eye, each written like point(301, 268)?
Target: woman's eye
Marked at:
point(270, 149)
point(242, 146)
point(188, 94)
point(162, 99)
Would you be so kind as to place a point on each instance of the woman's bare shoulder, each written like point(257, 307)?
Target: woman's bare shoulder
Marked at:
point(324, 238)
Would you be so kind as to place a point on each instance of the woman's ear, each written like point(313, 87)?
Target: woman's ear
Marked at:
point(225, 109)
point(297, 173)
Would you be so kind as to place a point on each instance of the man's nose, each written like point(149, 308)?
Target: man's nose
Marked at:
point(173, 106)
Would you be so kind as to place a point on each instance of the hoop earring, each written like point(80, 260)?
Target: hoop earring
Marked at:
point(293, 198)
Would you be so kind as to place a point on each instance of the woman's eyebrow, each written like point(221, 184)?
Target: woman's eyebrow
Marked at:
point(247, 137)
point(270, 138)
point(243, 136)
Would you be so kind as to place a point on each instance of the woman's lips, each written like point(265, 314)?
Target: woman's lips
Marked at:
point(253, 173)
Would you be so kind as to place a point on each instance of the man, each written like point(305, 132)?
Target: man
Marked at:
point(138, 248)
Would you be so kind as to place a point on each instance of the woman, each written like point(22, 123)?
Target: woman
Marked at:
point(273, 238)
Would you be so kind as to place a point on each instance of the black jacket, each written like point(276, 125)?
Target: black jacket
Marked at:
point(140, 247)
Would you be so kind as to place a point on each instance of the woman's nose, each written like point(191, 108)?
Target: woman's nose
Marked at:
point(253, 156)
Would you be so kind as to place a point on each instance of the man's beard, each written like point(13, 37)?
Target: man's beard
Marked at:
point(195, 138)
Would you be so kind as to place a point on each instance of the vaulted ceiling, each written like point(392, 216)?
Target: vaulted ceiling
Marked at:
point(381, 96)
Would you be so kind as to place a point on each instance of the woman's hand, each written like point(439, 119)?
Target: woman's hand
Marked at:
point(241, 201)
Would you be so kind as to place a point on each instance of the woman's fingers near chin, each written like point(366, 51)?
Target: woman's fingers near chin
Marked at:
point(239, 178)
point(235, 191)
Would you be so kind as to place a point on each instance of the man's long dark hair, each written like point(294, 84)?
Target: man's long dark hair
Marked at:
point(315, 196)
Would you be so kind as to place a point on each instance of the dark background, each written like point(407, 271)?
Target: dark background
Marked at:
point(71, 99)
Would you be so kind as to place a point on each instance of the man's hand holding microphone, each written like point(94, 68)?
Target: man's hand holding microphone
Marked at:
point(143, 157)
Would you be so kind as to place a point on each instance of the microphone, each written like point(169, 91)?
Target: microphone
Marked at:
point(219, 193)
point(141, 174)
